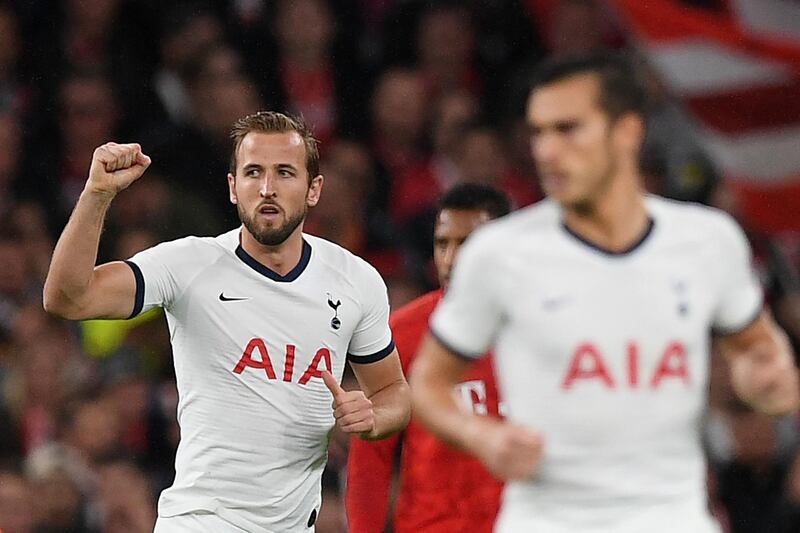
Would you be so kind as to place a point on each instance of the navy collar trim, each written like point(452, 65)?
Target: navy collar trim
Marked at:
point(616, 253)
point(292, 275)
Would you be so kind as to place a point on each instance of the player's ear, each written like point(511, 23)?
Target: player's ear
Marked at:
point(314, 191)
point(630, 129)
point(232, 188)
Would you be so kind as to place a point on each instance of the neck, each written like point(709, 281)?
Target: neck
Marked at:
point(281, 258)
point(617, 218)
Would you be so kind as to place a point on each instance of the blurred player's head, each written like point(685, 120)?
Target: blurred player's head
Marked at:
point(274, 174)
point(462, 209)
point(586, 115)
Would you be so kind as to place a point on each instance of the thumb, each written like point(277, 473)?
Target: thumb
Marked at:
point(332, 384)
point(143, 159)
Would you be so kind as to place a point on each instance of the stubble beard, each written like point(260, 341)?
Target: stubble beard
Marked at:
point(268, 236)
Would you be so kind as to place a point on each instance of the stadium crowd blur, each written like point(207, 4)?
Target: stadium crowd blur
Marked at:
point(407, 97)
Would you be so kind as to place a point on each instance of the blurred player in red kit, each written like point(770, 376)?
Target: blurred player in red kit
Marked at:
point(441, 489)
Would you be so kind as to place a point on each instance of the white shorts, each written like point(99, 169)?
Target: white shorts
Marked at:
point(198, 522)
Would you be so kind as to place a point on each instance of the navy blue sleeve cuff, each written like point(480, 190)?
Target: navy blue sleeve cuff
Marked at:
point(374, 358)
point(454, 351)
point(139, 298)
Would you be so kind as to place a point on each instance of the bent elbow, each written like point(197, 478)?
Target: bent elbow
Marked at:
point(57, 305)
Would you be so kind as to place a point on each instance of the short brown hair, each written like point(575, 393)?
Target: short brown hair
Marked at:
point(274, 122)
point(622, 86)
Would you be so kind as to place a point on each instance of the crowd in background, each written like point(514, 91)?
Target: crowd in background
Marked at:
point(407, 98)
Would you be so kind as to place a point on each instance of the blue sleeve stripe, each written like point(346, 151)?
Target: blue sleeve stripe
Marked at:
point(374, 358)
point(454, 351)
point(139, 298)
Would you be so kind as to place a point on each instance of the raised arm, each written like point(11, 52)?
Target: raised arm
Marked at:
point(508, 451)
point(763, 370)
point(75, 288)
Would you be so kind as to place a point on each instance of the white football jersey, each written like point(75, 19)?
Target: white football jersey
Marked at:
point(607, 355)
point(249, 346)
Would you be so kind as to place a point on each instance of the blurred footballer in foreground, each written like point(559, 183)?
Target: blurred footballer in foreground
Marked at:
point(599, 303)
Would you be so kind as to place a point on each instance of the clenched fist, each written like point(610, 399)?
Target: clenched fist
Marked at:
point(766, 377)
point(351, 409)
point(115, 166)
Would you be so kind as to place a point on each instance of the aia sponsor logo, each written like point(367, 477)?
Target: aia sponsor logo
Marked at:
point(588, 364)
point(256, 357)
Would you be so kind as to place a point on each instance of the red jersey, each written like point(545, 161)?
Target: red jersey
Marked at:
point(441, 489)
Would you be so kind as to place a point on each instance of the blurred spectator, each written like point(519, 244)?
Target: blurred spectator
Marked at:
point(146, 431)
point(43, 364)
point(114, 36)
point(310, 68)
point(124, 499)
point(30, 220)
point(10, 150)
point(478, 155)
point(570, 26)
point(196, 154)
point(187, 28)
point(338, 217)
point(90, 432)
point(166, 210)
point(16, 284)
point(383, 245)
point(11, 442)
point(59, 503)
point(16, 503)
point(417, 191)
point(445, 47)
point(88, 115)
point(399, 107)
point(673, 159)
point(482, 159)
point(18, 94)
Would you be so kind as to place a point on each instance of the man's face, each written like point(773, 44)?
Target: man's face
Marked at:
point(571, 140)
point(271, 187)
point(452, 228)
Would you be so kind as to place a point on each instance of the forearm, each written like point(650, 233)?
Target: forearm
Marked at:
point(75, 254)
point(392, 410)
point(435, 406)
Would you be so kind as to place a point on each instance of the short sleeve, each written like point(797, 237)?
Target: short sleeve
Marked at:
point(740, 294)
point(468, 317)
point(156, 271)
point(372, 338)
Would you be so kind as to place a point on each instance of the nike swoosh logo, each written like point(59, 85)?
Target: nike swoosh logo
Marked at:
point(223, 298)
